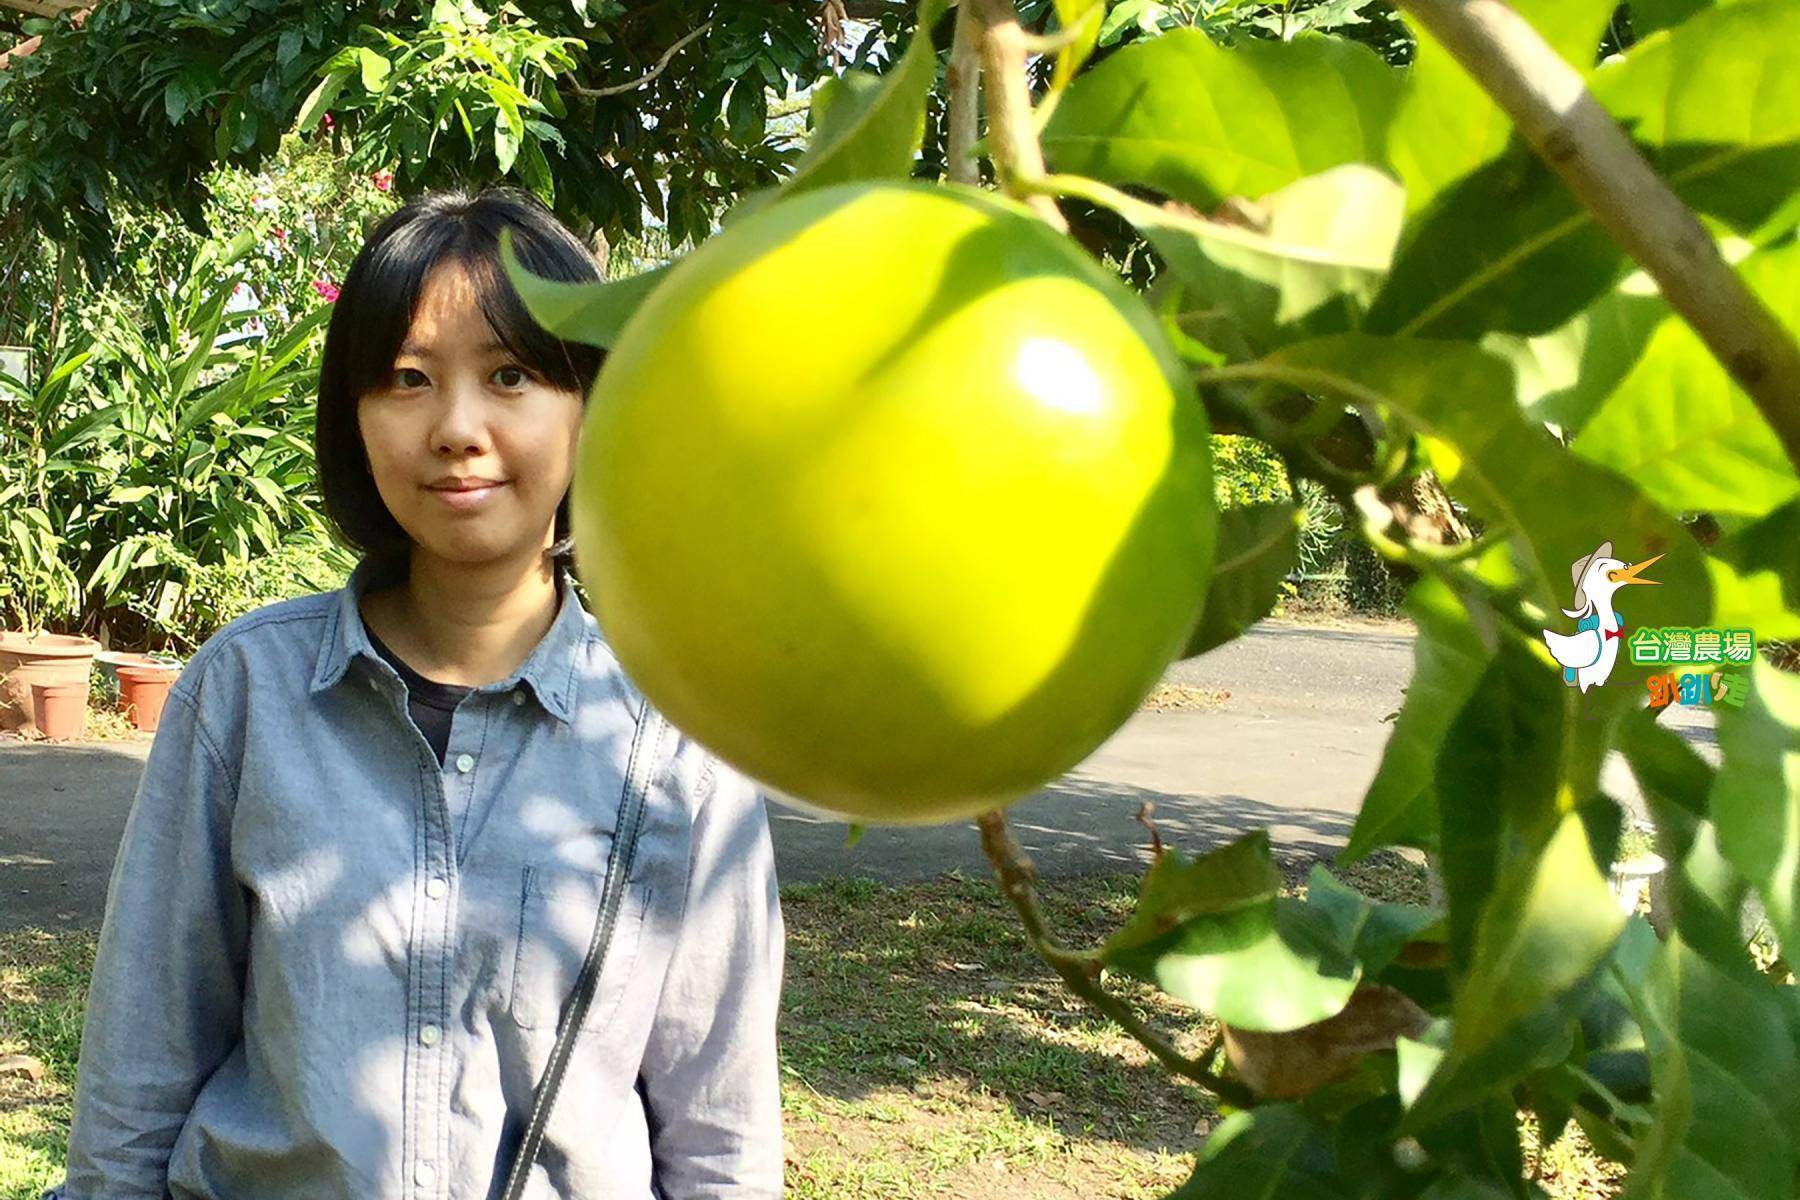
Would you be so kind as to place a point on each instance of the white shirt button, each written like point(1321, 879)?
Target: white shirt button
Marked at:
point(518, 697)
point(429, 1035)
point(465, 763)
point(423, 1174)
point(436, 889)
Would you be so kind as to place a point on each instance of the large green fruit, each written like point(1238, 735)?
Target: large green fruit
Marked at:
point(895, 500)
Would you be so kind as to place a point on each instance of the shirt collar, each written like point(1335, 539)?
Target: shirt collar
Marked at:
point(550, 669)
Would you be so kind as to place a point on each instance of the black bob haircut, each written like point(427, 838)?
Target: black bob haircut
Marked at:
point(375, 309)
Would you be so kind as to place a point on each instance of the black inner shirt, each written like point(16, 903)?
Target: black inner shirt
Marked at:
point(431, 703)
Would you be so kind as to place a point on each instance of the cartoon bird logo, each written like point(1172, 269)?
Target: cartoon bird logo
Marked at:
point(1588, 655)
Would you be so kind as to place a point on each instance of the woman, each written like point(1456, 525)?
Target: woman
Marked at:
point(373, 835)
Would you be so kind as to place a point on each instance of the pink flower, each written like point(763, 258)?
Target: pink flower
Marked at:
point(326, 289)
point(328, 123)
point(383, 180)
point(281, 235)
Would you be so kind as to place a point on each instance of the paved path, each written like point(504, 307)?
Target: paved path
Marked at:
point(1293, 748)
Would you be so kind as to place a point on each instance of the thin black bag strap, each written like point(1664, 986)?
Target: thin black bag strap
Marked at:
point(646, 747)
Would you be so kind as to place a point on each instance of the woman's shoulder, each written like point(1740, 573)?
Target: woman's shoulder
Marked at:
point(275, 641)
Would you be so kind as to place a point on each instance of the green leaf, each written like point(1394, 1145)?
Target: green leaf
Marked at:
point(1200, 122)
point(1546, 933)
point(1756, 798)
point(375, 70)
point(293, 343)
point(1312, 267)
point(1555, 507)
point(1668, 770)
point(868, 128)
point(1567, 373)
point(1448, 660)
point(746, 112)
point(1509, 248)
point(1146, 16)
point(1703, 891)
point(1682, 428)
point(175, 100)
point(1723, 1064)
point(506, 98)
point(535, 168)
point(1550, 923)
point(56, 382)
point(206, 331)
point(1072, 14)
point(1756, 577)
point(506, 146)
point(1445, 125)
point(68, 436)
point(1212, 932)
point(1238, 875)
point(1505, 249)
point(1256, 548)
point(1372, 932)
point(320, 99)
point(1648, 16)
point(1268, 1151)
point(589, 313)
point(1496, 779)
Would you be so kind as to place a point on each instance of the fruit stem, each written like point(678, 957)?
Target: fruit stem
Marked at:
point(1012, 140)
point(1081, 972)
point(963, 78)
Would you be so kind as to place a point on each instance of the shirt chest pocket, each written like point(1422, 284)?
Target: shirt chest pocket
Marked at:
point(558, 911)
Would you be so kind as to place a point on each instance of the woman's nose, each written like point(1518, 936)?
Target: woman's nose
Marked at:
point(462, 421)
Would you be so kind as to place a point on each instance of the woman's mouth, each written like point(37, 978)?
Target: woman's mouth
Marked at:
point(464, 498)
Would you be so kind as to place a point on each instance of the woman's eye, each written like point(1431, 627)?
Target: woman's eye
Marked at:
point(410, 377)
point(511, 377)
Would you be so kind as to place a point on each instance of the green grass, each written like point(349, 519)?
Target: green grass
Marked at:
point(43, 980)
point(926, 1052)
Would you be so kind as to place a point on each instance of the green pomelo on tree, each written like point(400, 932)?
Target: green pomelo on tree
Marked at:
point(895, 500)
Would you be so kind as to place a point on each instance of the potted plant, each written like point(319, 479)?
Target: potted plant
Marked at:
point(44, 668)
point(141, 684)
point(36, 580)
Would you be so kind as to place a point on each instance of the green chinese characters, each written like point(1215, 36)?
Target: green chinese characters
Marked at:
point(1673, 644)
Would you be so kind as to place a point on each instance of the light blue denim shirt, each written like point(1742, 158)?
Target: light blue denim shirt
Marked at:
point(330, 967)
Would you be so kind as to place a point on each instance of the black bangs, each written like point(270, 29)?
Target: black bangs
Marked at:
point(375, 309)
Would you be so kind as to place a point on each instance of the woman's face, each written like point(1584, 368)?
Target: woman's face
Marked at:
point(459, 410)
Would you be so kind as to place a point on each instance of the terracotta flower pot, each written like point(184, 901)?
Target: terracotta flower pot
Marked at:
point(143, 689)
point(49, 658)
point(61, 709)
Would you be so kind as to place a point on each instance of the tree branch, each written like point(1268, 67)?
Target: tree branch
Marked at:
point(642, 80)
point(1581, 142)
point(963, 80)
point(1012, 140)
point(1081, 972)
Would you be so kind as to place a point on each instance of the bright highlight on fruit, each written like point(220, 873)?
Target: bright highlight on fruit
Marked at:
point(895, 500)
